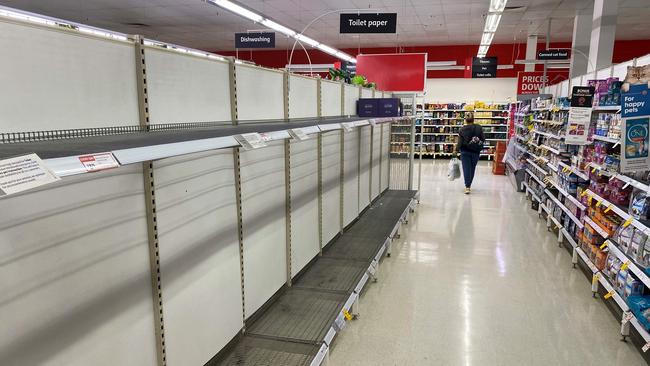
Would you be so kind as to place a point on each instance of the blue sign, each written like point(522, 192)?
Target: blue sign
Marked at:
point(636, 102)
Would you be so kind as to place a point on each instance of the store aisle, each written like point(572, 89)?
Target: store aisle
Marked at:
point(478, 280)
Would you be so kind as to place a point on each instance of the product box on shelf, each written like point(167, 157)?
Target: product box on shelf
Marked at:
point(378, 107)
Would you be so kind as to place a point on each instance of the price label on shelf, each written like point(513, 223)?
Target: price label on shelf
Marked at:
point(595, 278)
point(609, 294)
point(625, 266)
point(584, 193)
point(605, 244)
point(609, 208)
point(347, 126)
point(250, 141)
point(593, 170)
point(347, 315)
point(646, 347)
point(298, 134)
point(98, 162)
point(627, 222)
point(599, 203)
point(627, 317)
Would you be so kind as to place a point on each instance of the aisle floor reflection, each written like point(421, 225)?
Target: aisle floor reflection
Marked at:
point(478, 280)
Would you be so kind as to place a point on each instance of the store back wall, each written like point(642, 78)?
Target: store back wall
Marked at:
point(469, 90)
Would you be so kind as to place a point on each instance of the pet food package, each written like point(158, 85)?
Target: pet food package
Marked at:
point(621, 281)
point(644, 260)
point(632, 287)
point(624, 237)
point(639, 205)
point(640, 306)
point(637, 244)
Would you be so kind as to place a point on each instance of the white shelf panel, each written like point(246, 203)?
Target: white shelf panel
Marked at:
point(596, 227)
point(566, 210)
point(573, 170)
point(606, 139)
point(532, 163)
point(640, 274)
point(550, 135)
point(532, 175)
point(567, 195)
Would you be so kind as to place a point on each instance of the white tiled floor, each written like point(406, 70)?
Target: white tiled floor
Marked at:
point(478, 280)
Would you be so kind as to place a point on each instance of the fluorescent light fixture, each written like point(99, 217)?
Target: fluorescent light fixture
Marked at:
point(327, 49)
point(278, 27)
point(487, 39)
point(492, 22)
point(440, 63)
point(497, 5)
point(237, 10)
point(304, 39)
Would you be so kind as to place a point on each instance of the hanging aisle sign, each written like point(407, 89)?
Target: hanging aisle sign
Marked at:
point(368, 23)
point(255, 40)
point(635, 112)
point(554, 54)
point(579, 115)
point(484, 67)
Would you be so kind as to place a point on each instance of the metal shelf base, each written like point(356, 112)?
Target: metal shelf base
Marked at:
point(302, 321)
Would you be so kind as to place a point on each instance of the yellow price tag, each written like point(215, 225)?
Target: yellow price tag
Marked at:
point(605, 244)
point(595, 278)
point(599, 203)
point(590, 199)
point(566, 169)
point(609, 294)
point(625, 265)
point(609, 208)
point(593, 170)
point(583, 193)
point(347, 315)
point(627, 222)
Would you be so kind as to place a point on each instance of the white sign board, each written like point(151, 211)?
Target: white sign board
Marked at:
point(23, 173)
point(578, 126)
point(98, 162)
point(250, 141)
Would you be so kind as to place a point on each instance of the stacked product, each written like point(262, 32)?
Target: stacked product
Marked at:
point(607, 92)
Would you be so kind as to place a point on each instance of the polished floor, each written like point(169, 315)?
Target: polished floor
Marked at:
point(478, 280)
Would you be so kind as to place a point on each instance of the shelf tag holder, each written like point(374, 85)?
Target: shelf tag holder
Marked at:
point(609, 208)
point(625, 266)
point(605, 244)
point(298, 134)
point(627, 222)
point(609, 295)
point(250, 141)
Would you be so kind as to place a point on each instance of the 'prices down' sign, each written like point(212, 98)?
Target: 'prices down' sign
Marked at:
point(531, 82)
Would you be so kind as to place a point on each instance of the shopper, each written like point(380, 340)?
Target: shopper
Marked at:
point(470, 144)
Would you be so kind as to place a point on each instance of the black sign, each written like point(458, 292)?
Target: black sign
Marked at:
point(554, 54)
point(255, 40)
point(484, 67)
point(582, 96)
point(369, 23)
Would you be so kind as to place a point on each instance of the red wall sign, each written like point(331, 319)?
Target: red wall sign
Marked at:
point(530, 82)
point(394, 72)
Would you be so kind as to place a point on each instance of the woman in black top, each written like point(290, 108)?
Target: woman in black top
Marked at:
point(470, 144)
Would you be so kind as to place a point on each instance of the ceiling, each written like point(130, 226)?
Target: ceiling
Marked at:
point(194, 23)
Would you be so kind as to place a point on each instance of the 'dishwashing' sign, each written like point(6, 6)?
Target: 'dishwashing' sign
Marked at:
point(635, 111)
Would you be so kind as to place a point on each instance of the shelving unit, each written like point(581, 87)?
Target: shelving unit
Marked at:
point(436, 129)
point(569, 205)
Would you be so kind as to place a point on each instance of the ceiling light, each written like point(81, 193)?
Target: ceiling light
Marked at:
point(237, 9)
point(487, 39)
point(278, 27)
point(497, 5)
point(304, 39)
point(327, 49)
point(492, 22)
point(227, 4)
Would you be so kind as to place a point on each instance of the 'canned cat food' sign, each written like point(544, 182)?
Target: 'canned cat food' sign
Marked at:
point(635, 111)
